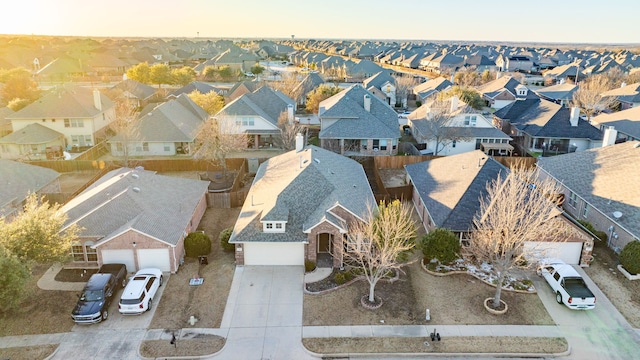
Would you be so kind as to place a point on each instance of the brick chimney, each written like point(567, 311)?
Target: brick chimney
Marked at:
point(367, 102)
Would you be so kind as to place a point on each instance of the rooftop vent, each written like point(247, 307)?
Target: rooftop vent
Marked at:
point(136, 189)
point(135, 176)
point(617, 215)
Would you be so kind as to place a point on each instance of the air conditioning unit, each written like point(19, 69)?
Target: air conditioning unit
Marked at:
point(376, 149)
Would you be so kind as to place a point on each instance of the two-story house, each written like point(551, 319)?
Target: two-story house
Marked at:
point(356, 122)
point(384, 84)
point(82, 115)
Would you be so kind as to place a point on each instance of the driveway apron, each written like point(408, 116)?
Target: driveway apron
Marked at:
point(601, 333)
point(264, 314)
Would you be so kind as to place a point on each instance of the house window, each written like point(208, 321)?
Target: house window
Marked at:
point(269, 226)
point(383, 144)
point(573, 199)
point(92, 254)
point(73, 123)
point(278, 226)
point(376, 144)
point(478, 142)
point(453, 144)
point(145, 146)
point(585, 211)
point(167, 148)
point(77, 252)
point(247, 122)
point(470, 120)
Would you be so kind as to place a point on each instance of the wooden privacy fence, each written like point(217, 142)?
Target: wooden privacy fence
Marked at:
point(398, 162)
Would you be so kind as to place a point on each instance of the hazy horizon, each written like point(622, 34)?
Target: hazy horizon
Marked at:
point(546, 21)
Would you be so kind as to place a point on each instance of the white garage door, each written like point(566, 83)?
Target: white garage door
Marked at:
point(154, 258)
point(119, 257)
point(273, 254)
point(569, 252)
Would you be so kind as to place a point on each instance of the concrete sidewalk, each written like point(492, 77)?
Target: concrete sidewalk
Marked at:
point(425, 330)
point(48, 281)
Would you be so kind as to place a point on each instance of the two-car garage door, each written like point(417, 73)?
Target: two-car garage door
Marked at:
point(273, 253)
point(155, 258)
point(569, 252)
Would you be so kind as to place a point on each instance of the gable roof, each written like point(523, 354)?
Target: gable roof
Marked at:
point(353, 121)
point(378, 79)
point(625, 121)
point(67, 101)
point(308, 84)
point(432, 86)
point(177, 120)
point(497, 86)
point(629, 93)
point(18, 180)
point(32, 134)
point(130, 199)
point(263, 102)
point(558, 92)
point(139, 90)
point(451, 187)
point(605, 177)
point(300, 188)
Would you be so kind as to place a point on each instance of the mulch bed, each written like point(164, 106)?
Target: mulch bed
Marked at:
point(75, 275)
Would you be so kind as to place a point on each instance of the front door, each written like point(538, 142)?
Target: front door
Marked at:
point(324, 243)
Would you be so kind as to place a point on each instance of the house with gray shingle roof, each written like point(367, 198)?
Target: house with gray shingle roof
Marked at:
point(18, 180)
point(136, 91)
point(137, 218)
point(168, 129)
point(31, 143)
point(560, 93)
point(199, 86)
point(545, 128)
point(628, 96)
point(356, 122)
point(447, 191)
point(503, 91)
point(257, 114)
point(601, 187)
point(310, 82)
point(431, 88)
point(452, 127)
point(626, 123)
point(83, 115)
point(299, 208)
point(385, 84)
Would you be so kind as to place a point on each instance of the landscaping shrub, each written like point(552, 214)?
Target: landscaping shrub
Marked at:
point(440, 244)
point(224, 240)
point(339, 278)
point(418, 103)
point(599, 234)
point(630, 257)
point(197, 244)
point(309, 265)
point(348, 275)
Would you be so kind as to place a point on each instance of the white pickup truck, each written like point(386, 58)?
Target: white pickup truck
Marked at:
point(568, 285)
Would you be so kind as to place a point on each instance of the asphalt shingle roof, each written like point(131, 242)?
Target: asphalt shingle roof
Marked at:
point(127, 199)
point(299, 188)
point(606, 177)
point(68, 101)
point(32, 134)
point(18, 179)
point(626, 121)
point(451, 187)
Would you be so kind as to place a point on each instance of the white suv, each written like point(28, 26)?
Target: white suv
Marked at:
point(137, 296)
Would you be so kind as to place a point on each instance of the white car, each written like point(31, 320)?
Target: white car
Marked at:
point(137, 296)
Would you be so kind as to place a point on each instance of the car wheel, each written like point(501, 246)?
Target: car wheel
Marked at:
point(105, 315)
point(149, 304)
point(160, 280)
point(559, 297)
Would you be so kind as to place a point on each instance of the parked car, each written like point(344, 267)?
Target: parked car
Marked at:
point(404, 114)
point(138, 295)
point(568, 285)
point(93, 303)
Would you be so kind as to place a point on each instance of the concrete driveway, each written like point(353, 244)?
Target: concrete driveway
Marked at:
point(264, 314)
point(118, 337)
point(601, 333)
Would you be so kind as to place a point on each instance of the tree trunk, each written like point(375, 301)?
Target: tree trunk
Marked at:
point(496, 298)
point(372, 296)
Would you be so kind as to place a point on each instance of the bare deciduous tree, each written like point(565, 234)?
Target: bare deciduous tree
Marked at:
point(516, 210)
point(381, 244)
point(125, 126)
point(404, 84)
point(288, 85)
point(289, 129)
point(588, 96)
point(438, 127)
point(217, 139)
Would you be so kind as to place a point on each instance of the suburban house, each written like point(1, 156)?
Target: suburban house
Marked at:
point(199, 86)
point(456, 129)
point(299, 208)
point(514, 63)
point(137, 218)
point(19, 180)
point(82, 115)
point(431, 88)
point(168, 129)
point(141, 94)
point(447, 192)
point(442, 63)
point(309, 83)
point(625, 122)
point(383, 85)
point(564, 73)
point(257, 114)
point(480, 63)
point(5, 124)
point(241, 88)
point(32, 142)
point(561, 93)
point(504, 91)
point(628, 96)
point(544, 128)
point(601, 187)
point(355, 122)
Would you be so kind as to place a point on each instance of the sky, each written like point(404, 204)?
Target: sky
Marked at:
point(558, 21)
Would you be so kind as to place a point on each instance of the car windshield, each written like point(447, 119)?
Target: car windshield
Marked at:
point(91, 295)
